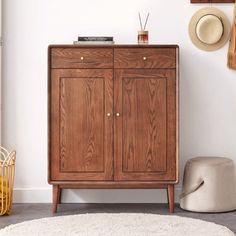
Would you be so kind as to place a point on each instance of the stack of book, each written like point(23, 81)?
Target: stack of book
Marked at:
point(94, 40)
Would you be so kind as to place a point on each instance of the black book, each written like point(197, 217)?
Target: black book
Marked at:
point(95, 38)
point(94, 42)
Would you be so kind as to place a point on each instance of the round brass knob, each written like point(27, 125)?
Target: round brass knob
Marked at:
point(117, 114)
point(81, 58)
point(144, 58)
point(108, 114)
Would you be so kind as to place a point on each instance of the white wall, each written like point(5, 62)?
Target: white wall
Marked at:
point(207, 91)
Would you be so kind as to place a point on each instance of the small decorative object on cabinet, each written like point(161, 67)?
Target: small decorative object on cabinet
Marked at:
point(142, 33)
point(113, 117)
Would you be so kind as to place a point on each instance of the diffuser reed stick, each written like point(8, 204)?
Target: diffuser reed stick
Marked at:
point(140, 21)
point(146, 21)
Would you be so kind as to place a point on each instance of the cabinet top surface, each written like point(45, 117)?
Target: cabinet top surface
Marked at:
point(113, 46)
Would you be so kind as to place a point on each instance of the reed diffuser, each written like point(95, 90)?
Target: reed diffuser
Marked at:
point(143, 34)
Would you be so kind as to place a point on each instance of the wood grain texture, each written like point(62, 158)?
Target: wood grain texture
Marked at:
point(55, 197)
point(114, 185)
point(212, 1)
point(49, 103)
point(59, 195)
point(89, 149)
point(144, 58)
point(82, 124)
point(231, 62)
point(145, 147)
point(177, 114)
point(81, 58)
point(81, 132)
point(171, 197)
point(144, 124)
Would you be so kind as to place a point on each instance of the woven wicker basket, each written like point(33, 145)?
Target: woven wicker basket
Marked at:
point(7, 169)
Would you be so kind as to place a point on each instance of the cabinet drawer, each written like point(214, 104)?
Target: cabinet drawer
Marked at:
point(81, 58)
point(145, 58)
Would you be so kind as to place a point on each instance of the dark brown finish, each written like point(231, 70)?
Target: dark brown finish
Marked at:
point(81, 58)
point(55, 197)
point(212, 1)
point(144, 58)
point(110, 46)
point(113, 132)
point(171, 197)
point(114, 185)
point(59, 195)
point(82, 138)
point(144, 140)
point(231, 62)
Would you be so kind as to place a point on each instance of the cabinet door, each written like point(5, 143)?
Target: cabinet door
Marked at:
point(145, 124)
point(81, 130)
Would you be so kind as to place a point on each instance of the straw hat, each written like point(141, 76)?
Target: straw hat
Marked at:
point(209, 29)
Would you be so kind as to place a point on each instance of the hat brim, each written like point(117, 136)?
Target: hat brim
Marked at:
point(194, 21)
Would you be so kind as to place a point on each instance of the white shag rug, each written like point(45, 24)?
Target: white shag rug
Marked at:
point(116, 225)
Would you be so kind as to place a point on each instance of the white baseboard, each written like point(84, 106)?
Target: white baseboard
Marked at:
point(44, 195)
point(32, 195)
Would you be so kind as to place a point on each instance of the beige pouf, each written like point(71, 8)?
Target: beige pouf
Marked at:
point(209, 185)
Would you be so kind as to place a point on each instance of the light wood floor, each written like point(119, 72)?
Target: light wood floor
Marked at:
point(23, 212)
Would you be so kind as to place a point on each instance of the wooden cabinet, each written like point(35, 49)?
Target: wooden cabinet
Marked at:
point(113, 117)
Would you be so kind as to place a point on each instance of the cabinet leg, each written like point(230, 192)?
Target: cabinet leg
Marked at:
point(59, 195)
point(55, 197)
point(171, 198)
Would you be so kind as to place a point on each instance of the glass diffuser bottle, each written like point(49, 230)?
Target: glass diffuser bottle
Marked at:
point(143, 34)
